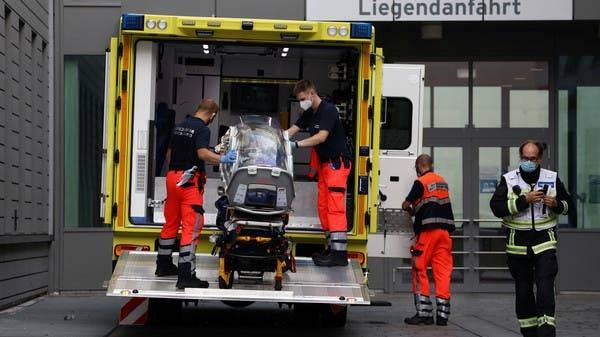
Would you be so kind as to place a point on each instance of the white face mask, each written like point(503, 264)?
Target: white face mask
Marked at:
point(305, 104)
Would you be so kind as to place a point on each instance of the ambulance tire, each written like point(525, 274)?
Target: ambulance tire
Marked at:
point(238, 304)
point(163, 311)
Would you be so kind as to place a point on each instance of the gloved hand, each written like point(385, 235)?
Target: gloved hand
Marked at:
point(229, 157)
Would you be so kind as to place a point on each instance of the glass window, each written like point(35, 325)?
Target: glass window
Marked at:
point(83, 121)
point(487, 103)
point(490, 163)
point(427, 107)
point(529, 108)
point(396, 123)
point(448, 161)
point(446, 97)
point(450, 107)
point(578, 128)
point(510, 94)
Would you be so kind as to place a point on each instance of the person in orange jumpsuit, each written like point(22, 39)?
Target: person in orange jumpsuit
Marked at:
point(187, 153)
point(429, 201)
point(329, 142)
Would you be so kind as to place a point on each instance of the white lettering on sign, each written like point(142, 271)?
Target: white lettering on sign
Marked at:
point(438, 10)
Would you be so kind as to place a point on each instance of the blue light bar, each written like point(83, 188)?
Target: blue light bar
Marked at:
point(360, 30)
point(132, 22)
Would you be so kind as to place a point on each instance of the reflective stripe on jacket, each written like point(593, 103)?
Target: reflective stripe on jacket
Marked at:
point(536, 216)
point(433, 209)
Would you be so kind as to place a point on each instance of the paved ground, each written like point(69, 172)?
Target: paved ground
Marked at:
point(94, 315)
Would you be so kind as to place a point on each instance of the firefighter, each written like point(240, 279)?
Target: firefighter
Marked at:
point(429, 202)
point(187, 153)
point(329, 141)
point(528, 200)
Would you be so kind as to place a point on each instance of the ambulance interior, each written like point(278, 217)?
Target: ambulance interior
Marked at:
point(171, 78)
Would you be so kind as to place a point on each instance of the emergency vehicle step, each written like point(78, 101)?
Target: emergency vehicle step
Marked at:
point(134, 277)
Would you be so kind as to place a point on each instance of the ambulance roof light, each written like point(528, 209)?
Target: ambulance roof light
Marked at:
point(360, 30)
point(132, 21)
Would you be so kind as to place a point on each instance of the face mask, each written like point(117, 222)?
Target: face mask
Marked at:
point(305, 104)
point(528, 166)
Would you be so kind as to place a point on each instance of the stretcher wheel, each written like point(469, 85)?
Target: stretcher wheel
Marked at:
point(278, 285)
point(226, 284)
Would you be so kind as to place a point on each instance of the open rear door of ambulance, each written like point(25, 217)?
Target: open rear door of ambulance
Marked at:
point(108, 140)
point(400, 144)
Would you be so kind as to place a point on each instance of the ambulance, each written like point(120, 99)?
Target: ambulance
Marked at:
point(160, 67)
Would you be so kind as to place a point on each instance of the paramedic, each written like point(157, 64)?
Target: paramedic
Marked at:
point(322, 121)
point(187, 153)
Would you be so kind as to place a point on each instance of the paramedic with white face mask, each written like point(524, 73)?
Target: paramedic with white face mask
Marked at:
point(328, 138)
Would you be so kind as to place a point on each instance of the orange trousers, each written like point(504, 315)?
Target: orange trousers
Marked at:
point(183, 207)
point(331, 199)
point(432, 246)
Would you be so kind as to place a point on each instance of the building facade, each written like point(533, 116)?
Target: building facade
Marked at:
point(26, 234)
point(497, 73)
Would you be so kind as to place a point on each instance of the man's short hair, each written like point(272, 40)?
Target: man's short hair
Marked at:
point(209, 105)
point(303, 86)
point(424, 159)
point(540, 146)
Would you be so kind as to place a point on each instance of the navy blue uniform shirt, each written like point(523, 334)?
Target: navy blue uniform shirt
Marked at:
point(188, 136)
point(325, 118)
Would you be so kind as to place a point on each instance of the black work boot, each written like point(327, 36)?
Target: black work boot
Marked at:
point(416, 320)
point(335, 258)
point(441, 321)
point(185, 278)
point(165, 266)
point(442, 311)
point(322, 254)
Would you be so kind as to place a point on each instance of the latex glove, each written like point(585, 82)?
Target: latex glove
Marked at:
point(229, 157)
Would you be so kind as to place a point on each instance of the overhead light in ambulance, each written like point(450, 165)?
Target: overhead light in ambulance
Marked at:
point(360, 30)
point(283, 54)
point(162, 24)
point(331, 30)
point(205, 46)
point(286, 49)
point(206, 51)
point(150, 24)
point(132, 22)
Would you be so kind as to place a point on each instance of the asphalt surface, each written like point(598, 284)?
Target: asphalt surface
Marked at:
point(95, 315)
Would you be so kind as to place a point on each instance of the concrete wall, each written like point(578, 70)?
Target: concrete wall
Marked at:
point(24, 149)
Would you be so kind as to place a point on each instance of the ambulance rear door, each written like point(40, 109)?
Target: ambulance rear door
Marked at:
point(108, 140)
point(400, 144)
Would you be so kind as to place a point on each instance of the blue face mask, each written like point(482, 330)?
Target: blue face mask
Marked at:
point(528, 166)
